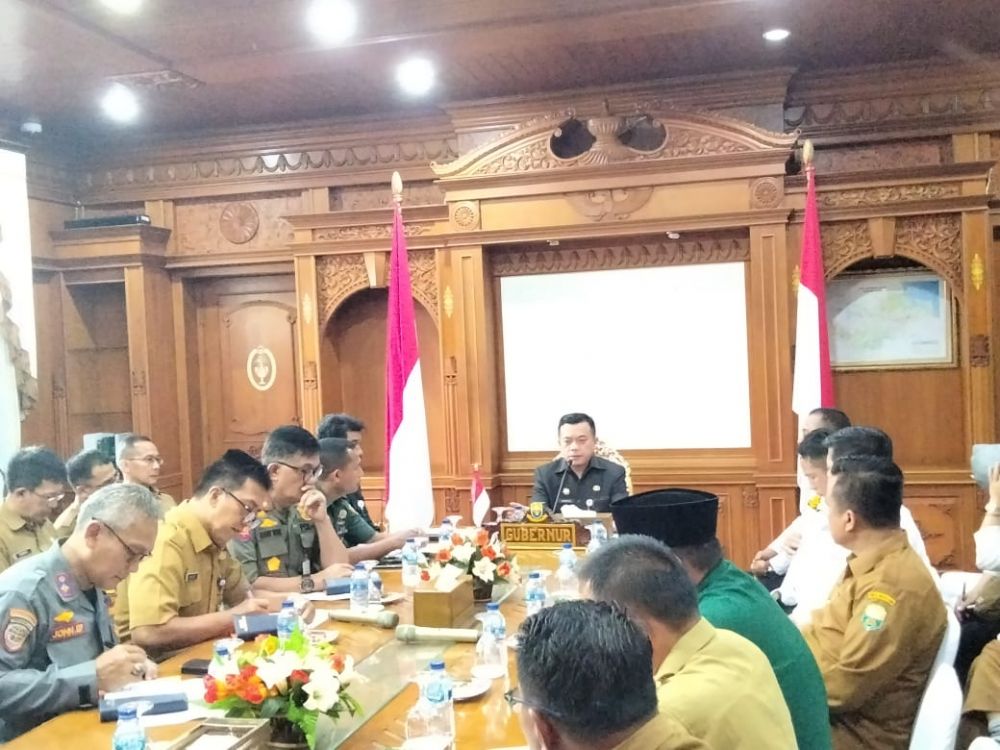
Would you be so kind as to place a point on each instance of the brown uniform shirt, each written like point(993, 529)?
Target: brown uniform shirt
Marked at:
point(20, 539)
point(186, 575)
point(875, 643)
point(662, 733)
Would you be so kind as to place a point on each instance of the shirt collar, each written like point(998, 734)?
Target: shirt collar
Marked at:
point(718, 571)
point(591, 464)
point(183, 515)
point(866, 561)
point(9, 517)
point(686, 647)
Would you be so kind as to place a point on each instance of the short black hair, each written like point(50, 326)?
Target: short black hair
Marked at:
point(859, 441)
point(231, 471)
point(588, 668)
point(834, 419)
point(701, 557)
point(30, 467)
point(334, 453)
point(80, 468)
point(288, 441)
point(338, 425)
point(577, 417)
point(127, 441)
point(642, 574)
point(813, 446)
point(871, 486)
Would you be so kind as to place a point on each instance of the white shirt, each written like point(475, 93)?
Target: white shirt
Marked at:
point(988, 549)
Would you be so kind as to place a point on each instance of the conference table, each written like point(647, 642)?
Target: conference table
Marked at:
point(386, 691)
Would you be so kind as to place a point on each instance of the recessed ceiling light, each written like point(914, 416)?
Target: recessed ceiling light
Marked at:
point(31, 126)
point(122, 6)
point(332, 21)
point(415, 76)
point(120, 104)
point(777, 35)
point(673, 235)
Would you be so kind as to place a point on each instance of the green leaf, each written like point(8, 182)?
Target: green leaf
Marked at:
point(272, 707)
point(297, 643)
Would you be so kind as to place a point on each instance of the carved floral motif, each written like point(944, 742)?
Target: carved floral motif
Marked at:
point(423, 279)
point(887, 194)
point(979, 350)
point(844, 243)
point(618, 203)
point(883, 156)
point(465, 215)
point(337, 277)
point(367, 232)
point(239, 222)
point(766, 192)
point(934, 240)
point(366, 197)
point(208, 226)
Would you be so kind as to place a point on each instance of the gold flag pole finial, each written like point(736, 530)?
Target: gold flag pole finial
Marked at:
point(807, 153)
point(397, 188)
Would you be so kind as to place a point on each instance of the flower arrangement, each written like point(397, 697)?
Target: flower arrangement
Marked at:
point(475, 552)
point(295, 682)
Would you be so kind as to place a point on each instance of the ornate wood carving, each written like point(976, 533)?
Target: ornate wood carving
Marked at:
point(451, 502)
point(935, 241)
point(517, 261)
point(979, 350)
point(886, 194)
point(309, 376)
point(844, 243)
point(216, 226)
point(367, 232)
point(138, 382)
point(239, 222)
point(465, 215)
point(918, 153)
point(338, 277)
point(363, 197)
point(618, 203)
point(766, 192)
point(423, 279)
point(750, 497)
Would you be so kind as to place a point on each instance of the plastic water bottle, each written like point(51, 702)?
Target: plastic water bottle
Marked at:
point(598, 537)
point(359, 589)
point(218, 668)
point(411, 565)
point(447, 528)
point(374, 589)
point(129, 734)
point(441, 704)
point(566, 583)
point(534, 593)
point(491, 649)
point(288, 620)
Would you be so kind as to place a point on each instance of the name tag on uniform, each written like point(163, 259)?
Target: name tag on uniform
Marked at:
point(22, 553)
point(191, 576)
point(66, 629)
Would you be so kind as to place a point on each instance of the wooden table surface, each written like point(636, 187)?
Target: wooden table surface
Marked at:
point(486, 722)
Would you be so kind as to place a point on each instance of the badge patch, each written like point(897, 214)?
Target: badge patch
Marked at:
point(878, 596)
point(342, 514)
point(65, 616)
point(67, 631)
point(20, 623)
point(191, 576)
point(873, 617)
point(66, 586)
point(565, 490)
point(268, 523)
point(596, 488)
point(273, 564)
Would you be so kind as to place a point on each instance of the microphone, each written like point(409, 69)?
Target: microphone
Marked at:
point(414, 634)
point(384, 619)
point(558, 502)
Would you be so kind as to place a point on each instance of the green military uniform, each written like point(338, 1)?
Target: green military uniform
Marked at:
point(20, 539)
point(875, 643)
point(731, 599)
point(721, 689)
point(350, 526)
point(186, 575)
point(51, 633)
point(278, 546)
point(662, 733)
point(357, 501)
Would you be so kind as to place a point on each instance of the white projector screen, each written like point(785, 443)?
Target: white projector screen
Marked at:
point(657, 356)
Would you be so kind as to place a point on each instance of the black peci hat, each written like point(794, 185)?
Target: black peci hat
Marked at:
point(677, 517)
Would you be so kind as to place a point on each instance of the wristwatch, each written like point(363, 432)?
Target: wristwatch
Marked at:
point(307, 585)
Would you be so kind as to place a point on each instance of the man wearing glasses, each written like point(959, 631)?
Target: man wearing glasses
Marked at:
point(140, 462)
point(189, 589)
point(36, 482)
point(57, 646)
point(88, 471)
point(587, 682)
point(296, 538)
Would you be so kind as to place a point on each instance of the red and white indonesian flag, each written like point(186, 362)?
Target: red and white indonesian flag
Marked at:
point(480, 500)
point(813, 383)
point(409, 500)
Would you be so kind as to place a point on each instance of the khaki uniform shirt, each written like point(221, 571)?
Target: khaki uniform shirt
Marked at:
point(20, 539)
point(875, 643)
point(66, 522)
point(983, 690)
point(721, 689)
point(278, 547)
point(186, 575)
point(662, 733)
point(51, 633)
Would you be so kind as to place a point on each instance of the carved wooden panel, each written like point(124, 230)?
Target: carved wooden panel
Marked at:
point(877, 196)
point(220, 226)
point(935, 241)
point(338, 277)
point(358, 197)
point(937, 511)
point(844, 243)
point(915, 153)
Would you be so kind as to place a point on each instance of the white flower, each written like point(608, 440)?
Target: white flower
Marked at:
point(484, 569)
point(275, 669)
point(323, 689)
point(461, 554)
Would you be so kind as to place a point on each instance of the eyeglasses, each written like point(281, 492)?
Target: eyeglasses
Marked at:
point(307, 472)
point(52, 499)
point(250, 519)
point(514, 700)
point(151, 460)
point(134, 555)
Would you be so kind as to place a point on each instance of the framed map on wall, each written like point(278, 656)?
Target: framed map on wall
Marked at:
point(890, 320)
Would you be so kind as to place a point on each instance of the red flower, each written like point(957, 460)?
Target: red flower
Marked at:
point(489, 552)
point(503, 569)
point(444, 555)
point(211, 689)
point(425, 575)
point(482, 537)
point(456, 539)
point(299, 675)
point(249, 671)
point(338, 663)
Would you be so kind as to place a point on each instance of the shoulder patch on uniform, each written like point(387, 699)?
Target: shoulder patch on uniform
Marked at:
point(66, 586)
point(873, 617)
point(20, 623)
point(878, 596)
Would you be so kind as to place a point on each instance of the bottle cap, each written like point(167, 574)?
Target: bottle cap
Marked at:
point(567, 545)
point(534, 574)
point(288, 603)
point(411, 541)
point(359, 566)
point(492, 607)
point(126, 711)
point(437, 664)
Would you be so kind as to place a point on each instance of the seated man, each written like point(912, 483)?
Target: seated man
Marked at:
point(579, 478)
point(685, 520)
point(349, 428)
point(341, 477)
point(59, 649)
point(36, 482)
point(772, 562)
point(139, 461)
point(179, 596)
point(87, 471)
point(876, 640)
point(716, 684)
point(296, 538)
point(587, 682)
point(981, 711)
